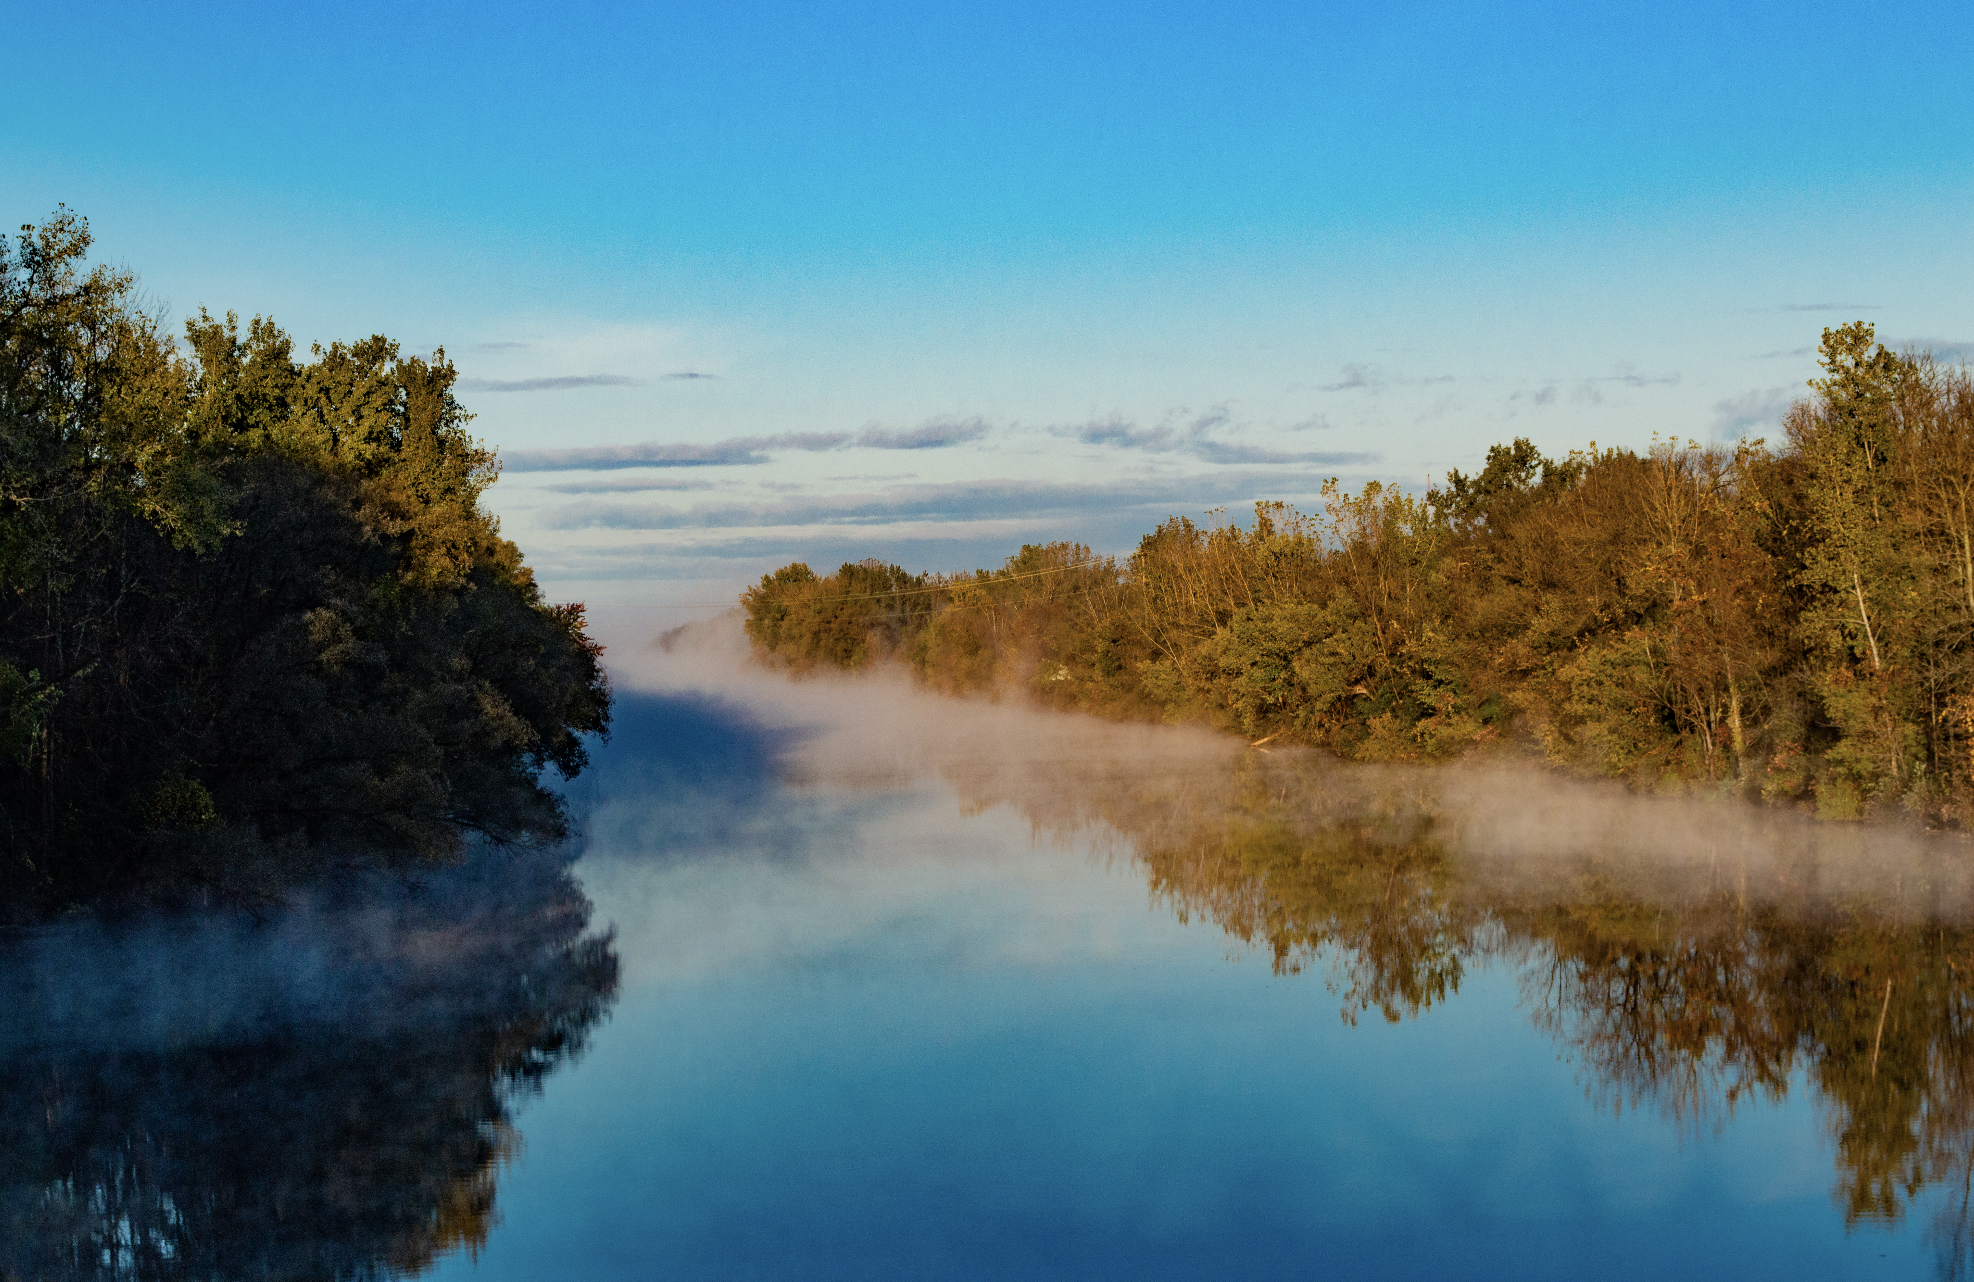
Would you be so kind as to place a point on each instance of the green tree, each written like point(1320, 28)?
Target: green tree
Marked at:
point(1858, 579)
point(253, 622)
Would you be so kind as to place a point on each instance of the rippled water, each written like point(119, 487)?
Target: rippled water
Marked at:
point(850, 982)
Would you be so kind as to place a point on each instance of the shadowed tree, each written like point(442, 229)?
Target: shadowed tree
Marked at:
point(254, 624)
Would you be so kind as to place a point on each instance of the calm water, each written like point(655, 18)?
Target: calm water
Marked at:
point(1020, 999)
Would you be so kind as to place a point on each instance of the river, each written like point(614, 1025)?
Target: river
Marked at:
point(849, 981)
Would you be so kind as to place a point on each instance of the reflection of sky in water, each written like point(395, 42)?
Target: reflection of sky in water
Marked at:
point(860, 1026)
point(862, 1035)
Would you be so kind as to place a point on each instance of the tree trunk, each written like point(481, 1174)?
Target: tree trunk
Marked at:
point(1865, 615)
point(1737, 736)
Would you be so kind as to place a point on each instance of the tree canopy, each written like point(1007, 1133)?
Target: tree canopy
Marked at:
point(254, 623)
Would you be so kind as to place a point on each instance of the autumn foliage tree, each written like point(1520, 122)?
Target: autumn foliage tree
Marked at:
point(1792, 622)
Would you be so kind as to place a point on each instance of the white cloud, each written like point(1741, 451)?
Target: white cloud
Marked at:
point(1751, 413)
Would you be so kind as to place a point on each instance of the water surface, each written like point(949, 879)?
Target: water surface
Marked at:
point(849, 983)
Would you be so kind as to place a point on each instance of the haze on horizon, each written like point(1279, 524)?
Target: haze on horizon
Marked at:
point(730, 286)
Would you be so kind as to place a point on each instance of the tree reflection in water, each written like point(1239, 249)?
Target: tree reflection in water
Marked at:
point(1726, 958)
point(328, 1094)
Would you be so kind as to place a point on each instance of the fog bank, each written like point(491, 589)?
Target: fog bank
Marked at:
point(1517, 827)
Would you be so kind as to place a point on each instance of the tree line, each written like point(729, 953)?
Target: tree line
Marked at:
point(1789, 622)
point(254, 623)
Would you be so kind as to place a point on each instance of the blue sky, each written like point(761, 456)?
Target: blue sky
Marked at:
point(951, 278)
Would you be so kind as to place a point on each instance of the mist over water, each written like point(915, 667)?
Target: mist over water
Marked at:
point(1696, 958)
point(1516, 826)
point(850, 980)
point(325, 1090)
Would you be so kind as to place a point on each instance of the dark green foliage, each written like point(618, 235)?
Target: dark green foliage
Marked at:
point(1516, 475)
point(860, 613)
point(253, 623)
point(1792, 623)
